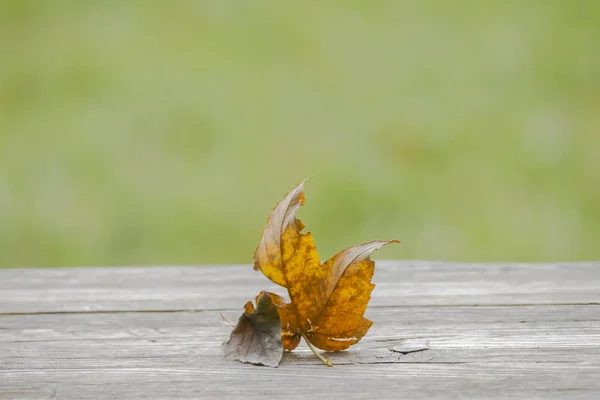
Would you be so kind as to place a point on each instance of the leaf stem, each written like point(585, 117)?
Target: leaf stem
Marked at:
point(325, 360)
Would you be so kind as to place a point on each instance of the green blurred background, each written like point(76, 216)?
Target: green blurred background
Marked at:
point(154, 132)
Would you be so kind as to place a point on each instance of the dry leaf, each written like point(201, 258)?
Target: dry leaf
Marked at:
point(256, 338)
point(327, 301)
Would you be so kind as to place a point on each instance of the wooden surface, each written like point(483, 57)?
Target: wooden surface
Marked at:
point(492, 331)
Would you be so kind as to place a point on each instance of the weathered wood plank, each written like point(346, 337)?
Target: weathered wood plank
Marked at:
point(534, 329)
point(492, 331)
point(383, 381)
point(389, 323)
point(495, 352)
point(226, 287)
point(418, 381)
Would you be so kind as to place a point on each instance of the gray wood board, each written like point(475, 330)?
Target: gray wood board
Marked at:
point(226, 287)
point(497, 352)
point(490, 331)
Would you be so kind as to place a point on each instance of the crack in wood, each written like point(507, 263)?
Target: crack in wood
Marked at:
point(410, 362)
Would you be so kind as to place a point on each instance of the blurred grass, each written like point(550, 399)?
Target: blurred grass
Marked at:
point(147, 132)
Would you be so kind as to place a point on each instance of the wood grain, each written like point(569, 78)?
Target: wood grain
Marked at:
point(492, 331)
point(224, 287)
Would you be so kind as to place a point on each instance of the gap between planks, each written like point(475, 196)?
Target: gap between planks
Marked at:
point(233, 309)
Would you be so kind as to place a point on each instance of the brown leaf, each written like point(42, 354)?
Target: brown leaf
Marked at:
point(256, 338)
point(328, 300)
point(286, 312)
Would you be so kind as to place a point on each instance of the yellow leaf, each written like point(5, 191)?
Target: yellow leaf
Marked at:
point(327, 301)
